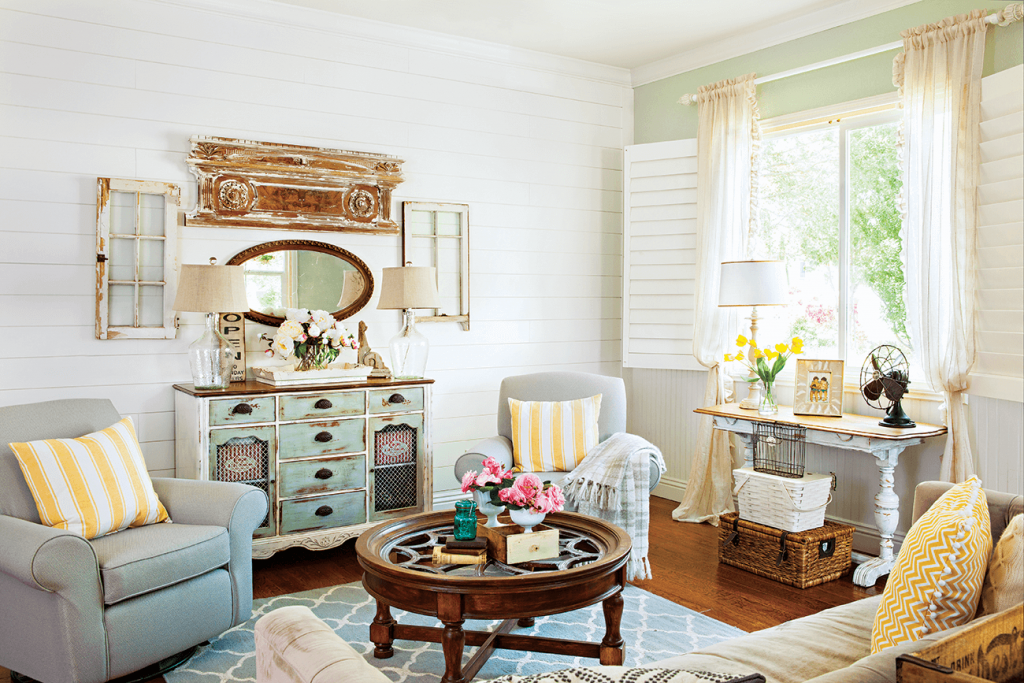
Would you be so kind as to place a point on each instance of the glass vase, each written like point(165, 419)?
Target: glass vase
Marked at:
point(767, 405)
point(317, 357)
point(465, 520)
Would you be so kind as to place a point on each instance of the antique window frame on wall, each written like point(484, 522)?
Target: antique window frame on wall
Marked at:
point(250, 184)
point(106, 259)
point(434, 238)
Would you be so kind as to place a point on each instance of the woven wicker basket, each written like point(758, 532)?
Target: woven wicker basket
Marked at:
point(802, 559)
point(783, 502)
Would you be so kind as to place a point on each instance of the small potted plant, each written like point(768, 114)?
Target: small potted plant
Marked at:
point(484, 487)
point(527, 498)
point(764, 372)
point(314, 338)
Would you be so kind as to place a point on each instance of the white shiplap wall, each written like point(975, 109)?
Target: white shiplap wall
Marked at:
point(116, 87)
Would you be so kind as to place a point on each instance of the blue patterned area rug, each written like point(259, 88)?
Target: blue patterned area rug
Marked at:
point(654, 628)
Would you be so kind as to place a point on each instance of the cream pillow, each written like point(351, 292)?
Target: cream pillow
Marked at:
point(1004, 583)
point(93, 485)
point(936, 581)
point(553, 436)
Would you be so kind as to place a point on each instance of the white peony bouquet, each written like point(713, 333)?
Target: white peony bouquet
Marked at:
point(315, 338)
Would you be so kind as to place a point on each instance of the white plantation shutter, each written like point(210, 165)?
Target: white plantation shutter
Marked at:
point(659, 255)
point(999, 370)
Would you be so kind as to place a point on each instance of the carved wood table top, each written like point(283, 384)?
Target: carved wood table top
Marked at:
point(397, 572)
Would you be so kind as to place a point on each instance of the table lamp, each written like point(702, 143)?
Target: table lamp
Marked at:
point(407, 288)
point(753, 283)
point(212, 290)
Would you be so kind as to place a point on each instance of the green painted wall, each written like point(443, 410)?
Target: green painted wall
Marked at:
point(658, 115)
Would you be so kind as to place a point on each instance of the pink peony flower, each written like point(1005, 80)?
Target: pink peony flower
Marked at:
point(550, 500)
point(492, 466)
point(513, 496)
point(528, 485)
point(468, 480)
point(485, 478)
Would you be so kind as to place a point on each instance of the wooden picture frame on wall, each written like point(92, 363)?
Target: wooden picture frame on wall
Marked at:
point(819, 387)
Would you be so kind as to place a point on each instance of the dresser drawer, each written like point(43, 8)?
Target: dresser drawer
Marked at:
point(323, 512)
point(396, 400)
point(324, 475)
point(239, 411)
point(336, 404)
point(307, 439)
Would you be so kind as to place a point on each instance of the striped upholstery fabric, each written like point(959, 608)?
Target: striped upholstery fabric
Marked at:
point(553, 436)
point(93, 485)
point(936, 582)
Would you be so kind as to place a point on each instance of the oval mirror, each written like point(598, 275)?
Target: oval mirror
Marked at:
point(302, 274)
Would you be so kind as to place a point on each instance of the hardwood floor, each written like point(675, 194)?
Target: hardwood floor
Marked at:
point(684, 561)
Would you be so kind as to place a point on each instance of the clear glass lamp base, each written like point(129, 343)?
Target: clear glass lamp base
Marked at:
point(211, 357)
point(409, 350)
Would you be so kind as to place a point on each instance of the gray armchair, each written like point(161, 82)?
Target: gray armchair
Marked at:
point(86, 611)
point(551, 386)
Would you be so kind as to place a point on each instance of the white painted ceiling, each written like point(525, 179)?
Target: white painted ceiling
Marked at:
point(622, 33)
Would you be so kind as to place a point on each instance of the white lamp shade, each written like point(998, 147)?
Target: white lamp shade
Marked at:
point(211, 289)
point(753, 283)
point(408, 287)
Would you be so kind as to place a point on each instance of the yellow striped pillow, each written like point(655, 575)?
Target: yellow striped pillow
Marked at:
point(936, 581)
point(553, 436)
point(93, 485)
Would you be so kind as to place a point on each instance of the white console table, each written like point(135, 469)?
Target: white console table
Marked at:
point(850, 432)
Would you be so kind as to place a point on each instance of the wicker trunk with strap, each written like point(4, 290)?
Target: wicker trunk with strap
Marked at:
point(802, 559)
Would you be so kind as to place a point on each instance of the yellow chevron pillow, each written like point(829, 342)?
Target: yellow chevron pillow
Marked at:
point(553, 436)
point(936, 581)
point(93, 485)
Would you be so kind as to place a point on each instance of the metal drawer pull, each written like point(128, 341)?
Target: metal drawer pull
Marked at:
point(323, 404)
point(394, 399)
point(323, 473)
point(323, 511)
point(241, 409)
point(323, 437)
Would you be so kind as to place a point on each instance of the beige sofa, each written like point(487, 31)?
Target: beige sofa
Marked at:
point(833, 646)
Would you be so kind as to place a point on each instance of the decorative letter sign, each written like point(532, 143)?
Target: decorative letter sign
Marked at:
point(245, 184)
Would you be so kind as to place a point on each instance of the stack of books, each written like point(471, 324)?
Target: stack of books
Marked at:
point(460, 552)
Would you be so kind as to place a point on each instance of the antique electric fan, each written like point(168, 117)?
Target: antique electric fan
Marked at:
point(883, 383)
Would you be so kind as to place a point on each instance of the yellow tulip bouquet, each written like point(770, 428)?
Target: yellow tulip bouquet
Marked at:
point(766, 364)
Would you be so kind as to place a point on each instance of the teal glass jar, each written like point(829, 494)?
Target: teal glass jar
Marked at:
point(465, 520)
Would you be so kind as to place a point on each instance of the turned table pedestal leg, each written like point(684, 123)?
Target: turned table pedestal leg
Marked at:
point(382, 632)
point(612, 647)
point(887, 518)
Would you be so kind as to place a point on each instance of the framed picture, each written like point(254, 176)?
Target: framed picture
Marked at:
point(819, 387)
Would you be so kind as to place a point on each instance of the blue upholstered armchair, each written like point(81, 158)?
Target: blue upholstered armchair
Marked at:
point(551, 386)
point(86, 611)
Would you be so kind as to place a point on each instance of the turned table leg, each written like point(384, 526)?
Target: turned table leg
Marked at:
point(612, 649)
point(453, 641)
point(382, 632)
point(887, 518)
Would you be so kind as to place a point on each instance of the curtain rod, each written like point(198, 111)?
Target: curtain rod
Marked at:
point(1013, 12)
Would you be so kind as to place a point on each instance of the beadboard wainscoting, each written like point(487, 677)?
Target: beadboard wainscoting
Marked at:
point(532, 143)
point(661, 404)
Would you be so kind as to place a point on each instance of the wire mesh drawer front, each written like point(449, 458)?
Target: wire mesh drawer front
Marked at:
point(780, 449)
point(245, 459)
point(395, 481)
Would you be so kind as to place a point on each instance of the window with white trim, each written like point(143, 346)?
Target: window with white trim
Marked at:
point(829, 209)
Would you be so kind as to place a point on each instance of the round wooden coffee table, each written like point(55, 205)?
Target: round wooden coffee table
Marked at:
point(397, 571)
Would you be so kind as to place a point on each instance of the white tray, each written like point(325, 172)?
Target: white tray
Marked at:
point(286, 375)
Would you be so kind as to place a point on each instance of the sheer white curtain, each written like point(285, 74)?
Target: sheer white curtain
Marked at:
point(727, 143)
point(940, 76)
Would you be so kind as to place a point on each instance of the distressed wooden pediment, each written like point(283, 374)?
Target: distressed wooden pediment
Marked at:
point(246, 184)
